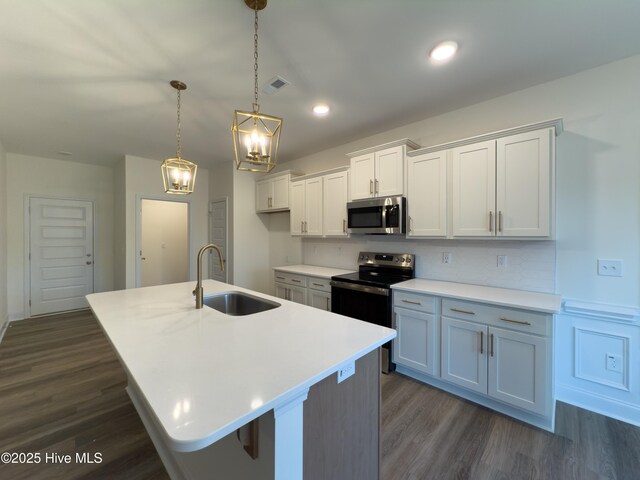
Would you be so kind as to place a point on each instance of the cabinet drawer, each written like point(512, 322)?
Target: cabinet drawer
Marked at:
point(321, 284)
point(503, 317)
point(414, 301)
point(291, 279)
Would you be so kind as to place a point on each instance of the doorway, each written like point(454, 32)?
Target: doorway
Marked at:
point(218, 235)
point(164, 242)
point(60, 255)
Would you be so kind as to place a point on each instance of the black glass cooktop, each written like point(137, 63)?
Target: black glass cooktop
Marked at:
point(372, 278)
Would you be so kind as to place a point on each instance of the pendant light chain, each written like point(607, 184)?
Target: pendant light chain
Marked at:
point(256, 107)
point(178, 136)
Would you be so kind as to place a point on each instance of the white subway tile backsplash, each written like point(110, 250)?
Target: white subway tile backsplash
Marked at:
point(530, 266)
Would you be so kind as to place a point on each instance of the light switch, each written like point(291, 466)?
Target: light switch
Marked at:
point(610, 268)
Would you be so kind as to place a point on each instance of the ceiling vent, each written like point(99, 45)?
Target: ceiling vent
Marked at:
point(274, 85)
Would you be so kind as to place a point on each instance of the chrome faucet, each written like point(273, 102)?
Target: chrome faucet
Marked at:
point(198, 292)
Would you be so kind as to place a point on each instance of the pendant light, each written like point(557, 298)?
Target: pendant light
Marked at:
point(255, 135)
point(178, 174)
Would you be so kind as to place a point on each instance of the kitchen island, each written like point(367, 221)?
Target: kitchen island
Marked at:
point(198, 377)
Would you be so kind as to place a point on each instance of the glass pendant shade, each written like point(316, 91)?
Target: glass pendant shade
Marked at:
point(179, 175)
point(255, 140)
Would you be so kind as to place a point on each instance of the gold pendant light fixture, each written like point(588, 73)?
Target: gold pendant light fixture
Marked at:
point(256, 136)
point(178, 174)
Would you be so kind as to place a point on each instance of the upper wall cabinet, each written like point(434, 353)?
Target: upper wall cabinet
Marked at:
point(272, 192)
point(319, 204)
point(379, 171)
point(427, 194)
point(503, 187)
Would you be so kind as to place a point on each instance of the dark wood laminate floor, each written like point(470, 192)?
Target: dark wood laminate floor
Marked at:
point(62, 391)
point(430, 434)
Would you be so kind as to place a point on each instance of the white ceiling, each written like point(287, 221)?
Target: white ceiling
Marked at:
point(91, 76)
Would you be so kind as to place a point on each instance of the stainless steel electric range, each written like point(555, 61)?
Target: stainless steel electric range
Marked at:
point(366, 294)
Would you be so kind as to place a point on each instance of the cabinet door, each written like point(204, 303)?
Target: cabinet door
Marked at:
point(297, 207)
point(389, 169)
point(298, 294)
point(415, 346)
point(464, 354)
point(427, 195)
point(334, 200)
point(318, 299)
point(473, 189)
point(523, 179)
point(282, 291)
point(362, 176)
point(264, 195)
point(518, 369)
point(313, 206)
point(280, 195)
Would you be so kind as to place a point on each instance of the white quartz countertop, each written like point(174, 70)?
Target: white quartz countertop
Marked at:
point(204, 374)
point(541, 302)
point(313, 271)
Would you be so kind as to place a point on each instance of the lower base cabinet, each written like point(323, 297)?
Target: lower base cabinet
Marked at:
point(500, 355)
point(312, 291)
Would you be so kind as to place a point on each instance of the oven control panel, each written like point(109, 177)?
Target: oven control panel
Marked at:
point(387, 259)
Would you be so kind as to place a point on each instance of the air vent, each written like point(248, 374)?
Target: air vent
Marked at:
point(274, 84)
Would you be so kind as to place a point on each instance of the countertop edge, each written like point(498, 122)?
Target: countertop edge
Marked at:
point(544, 306)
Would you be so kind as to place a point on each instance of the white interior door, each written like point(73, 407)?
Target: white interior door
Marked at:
point(164, 241)
point(60, 253)
point(218, 235)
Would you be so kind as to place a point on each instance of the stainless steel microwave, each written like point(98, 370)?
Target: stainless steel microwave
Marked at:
point(377, 216)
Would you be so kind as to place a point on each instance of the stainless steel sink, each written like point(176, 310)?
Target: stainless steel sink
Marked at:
point(238, 303)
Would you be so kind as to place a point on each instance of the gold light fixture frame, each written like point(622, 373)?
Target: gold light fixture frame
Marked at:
point(256, 136)
point(179, 174)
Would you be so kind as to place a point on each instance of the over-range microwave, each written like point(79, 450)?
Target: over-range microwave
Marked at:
point(377, 216)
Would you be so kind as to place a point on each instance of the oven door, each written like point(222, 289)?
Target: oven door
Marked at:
point(370, 304)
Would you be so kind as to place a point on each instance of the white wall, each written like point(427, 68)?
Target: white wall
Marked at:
point(59, 179)
point(4, 315)
point(143, 179)
point(119, 227)
point(598, 171)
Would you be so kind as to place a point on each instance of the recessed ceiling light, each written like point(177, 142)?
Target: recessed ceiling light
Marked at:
point(321, 109)
point(443, 51)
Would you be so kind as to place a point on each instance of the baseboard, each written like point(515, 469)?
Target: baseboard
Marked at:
point(625, 412)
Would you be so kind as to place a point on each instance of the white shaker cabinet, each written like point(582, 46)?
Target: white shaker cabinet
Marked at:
point(464, 356)
point(291, 287)
point(379, 171)
point(417, 343)
point(502, 187)
point(306, 207)
point(427, 194)
point(272, 192)
point(335, 197)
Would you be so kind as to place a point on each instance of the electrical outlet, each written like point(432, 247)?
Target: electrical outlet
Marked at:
point(614, 362)
point(346, 371)
point(446, 257)
point(610, 268)
point(502, 261)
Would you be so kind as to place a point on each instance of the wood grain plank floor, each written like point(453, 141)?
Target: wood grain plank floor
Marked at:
point(62, 391)
point(430, 434)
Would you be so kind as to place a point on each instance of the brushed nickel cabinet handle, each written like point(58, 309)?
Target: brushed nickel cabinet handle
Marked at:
point(370, 187)
point(492, 344)
point(317, 284)
point(328, 305)
point(411, 302)
point(519, 322)
point(301, 226)
point(344, 226)
point(280, 278)
point(462, 311)
point(377, 187)
point(296, 280)
point(481, 342)
point(410, 224)
point(490, 221)
point(394, 324)
point(500, 221)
